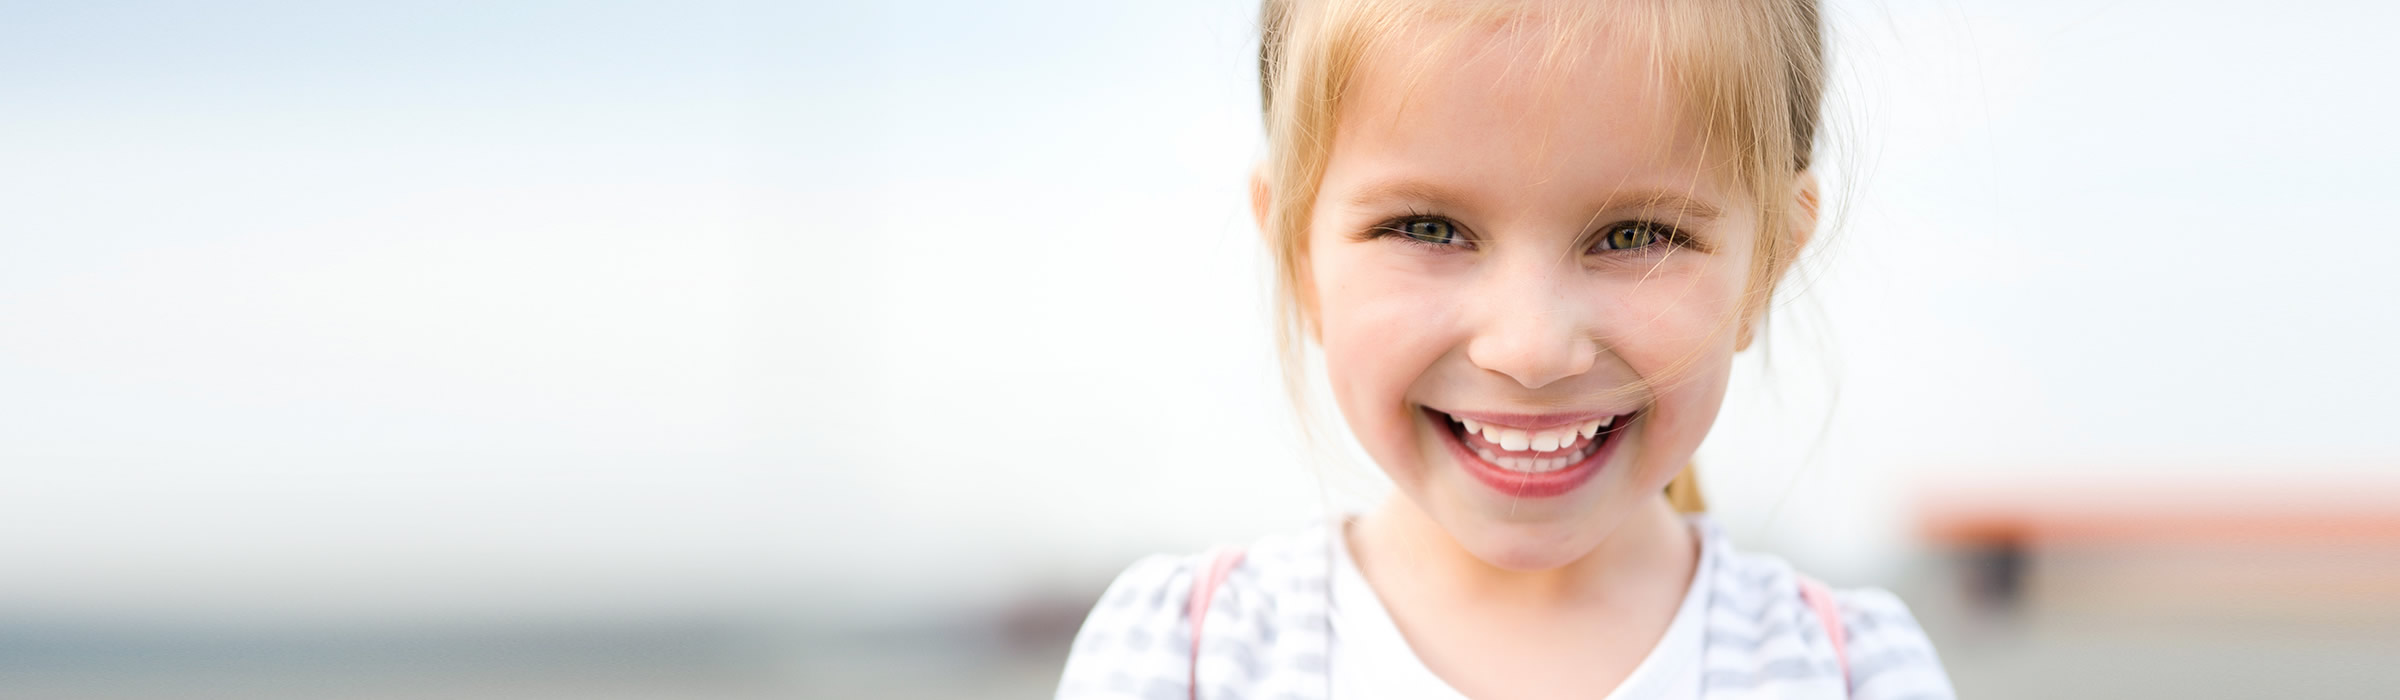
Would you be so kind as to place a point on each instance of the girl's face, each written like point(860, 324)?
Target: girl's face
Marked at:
point(1542, 257)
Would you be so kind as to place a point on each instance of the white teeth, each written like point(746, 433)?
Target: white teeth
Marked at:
point(1554, 440)
point(1533, 465)
point(1559, 447)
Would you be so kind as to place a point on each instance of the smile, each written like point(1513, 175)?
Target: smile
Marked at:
point(1531, 456)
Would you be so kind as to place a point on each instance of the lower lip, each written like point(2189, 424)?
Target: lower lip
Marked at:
point(1527, 484)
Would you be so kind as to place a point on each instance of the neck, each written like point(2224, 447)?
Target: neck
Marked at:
point(1408, 548)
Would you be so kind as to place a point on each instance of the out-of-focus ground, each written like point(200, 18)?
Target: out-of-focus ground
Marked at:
point(2057, 620)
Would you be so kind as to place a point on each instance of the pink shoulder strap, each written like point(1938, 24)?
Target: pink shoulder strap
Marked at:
point(1820, 599)
point(1204, 587)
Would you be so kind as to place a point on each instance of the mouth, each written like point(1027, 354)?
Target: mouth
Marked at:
point(1531, 456)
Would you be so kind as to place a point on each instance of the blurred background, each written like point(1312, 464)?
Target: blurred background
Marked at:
point(751, 349)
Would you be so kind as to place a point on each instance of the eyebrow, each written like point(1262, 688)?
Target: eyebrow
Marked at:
point(1407, 190)
point(1681, 205)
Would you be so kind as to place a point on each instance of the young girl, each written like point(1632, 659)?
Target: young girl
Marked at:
point(1529, 237)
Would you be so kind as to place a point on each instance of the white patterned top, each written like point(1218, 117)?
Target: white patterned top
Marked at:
point(1267, 635)
point(1372, 660)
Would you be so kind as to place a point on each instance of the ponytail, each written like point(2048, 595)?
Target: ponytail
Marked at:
point(1684, 492)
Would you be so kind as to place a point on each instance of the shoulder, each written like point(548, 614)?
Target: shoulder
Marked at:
point(1135, 643)
point(1262, 623)
point(1890, 656)
point(1765, 639)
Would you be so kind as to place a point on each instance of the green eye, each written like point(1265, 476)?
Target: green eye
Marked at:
point(1633, 236)
point(1434, 231)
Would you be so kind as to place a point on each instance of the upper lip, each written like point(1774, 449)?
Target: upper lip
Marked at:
point(1532, 421)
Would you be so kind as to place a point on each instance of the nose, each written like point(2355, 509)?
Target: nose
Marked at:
point(1532, 329)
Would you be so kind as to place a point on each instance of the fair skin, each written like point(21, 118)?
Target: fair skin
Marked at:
point(1521, 245)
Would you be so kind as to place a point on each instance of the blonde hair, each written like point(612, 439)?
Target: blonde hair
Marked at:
point(1750, 71)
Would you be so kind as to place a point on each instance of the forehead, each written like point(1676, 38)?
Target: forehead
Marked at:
point(1517, 111)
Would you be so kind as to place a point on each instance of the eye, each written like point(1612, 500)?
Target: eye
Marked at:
point(1635, 235)
point(1425, 230)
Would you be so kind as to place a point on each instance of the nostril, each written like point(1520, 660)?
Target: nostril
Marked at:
point(1533, 358)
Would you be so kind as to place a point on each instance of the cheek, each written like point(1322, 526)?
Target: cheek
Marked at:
point(1678, 317)
point(1677, 332)
point(1381, 330)
point(1669, 327)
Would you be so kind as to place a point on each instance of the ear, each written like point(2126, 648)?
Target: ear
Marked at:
point(1807, 206)
point(1262, 201)
point(1262, 197)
